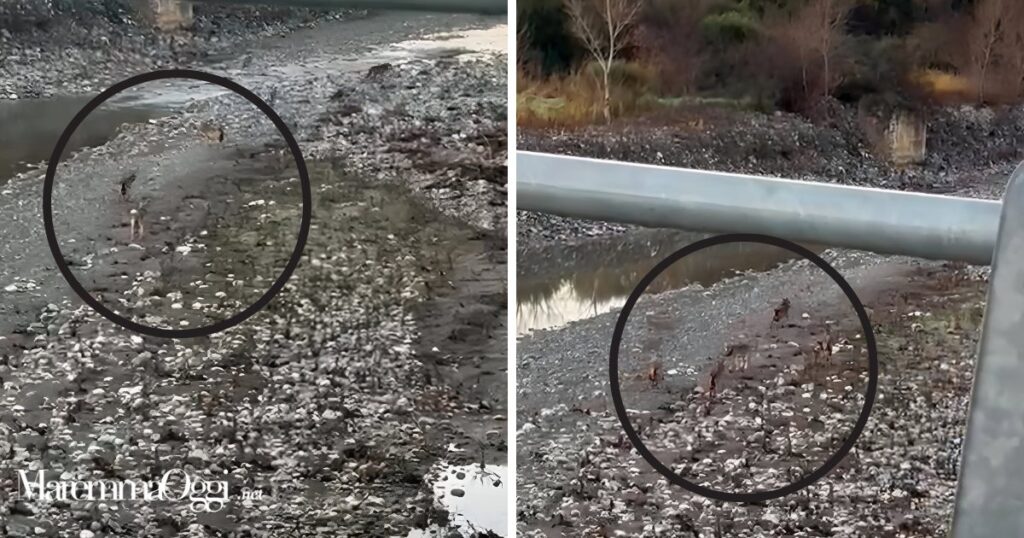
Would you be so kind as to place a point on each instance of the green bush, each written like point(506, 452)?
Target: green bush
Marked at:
point(730, 27)
point(629, 76)
point(878, 65)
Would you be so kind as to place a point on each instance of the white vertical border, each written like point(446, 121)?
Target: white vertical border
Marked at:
point(511, 291)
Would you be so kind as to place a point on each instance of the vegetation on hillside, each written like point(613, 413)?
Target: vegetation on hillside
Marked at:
point(792, 55)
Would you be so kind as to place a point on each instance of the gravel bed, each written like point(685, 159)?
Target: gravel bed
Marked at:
point(769, 424)
point(319, 401)
point(51, 48)
point(438, 126)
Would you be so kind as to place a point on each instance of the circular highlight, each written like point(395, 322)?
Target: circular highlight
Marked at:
point(756, 496)
point(278, 284)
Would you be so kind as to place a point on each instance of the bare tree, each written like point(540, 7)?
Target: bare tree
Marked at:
point(1015, 49)
point(829, 17)
point(672, 28)
point(986, 36)
point(819, 28)
point(814, 35)
point(523, 37)
point(603, 26)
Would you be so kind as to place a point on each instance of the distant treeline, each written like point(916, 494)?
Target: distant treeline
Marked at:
point(790, 54)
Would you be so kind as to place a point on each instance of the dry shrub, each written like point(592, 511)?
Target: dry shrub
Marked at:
point(802, 52)
point(941, 87)
point(578, 98)
point(672, 36)
point(986, 45)
point(560, 100)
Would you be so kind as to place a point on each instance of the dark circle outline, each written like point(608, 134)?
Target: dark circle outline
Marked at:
point(282, 279)
point(756, 496)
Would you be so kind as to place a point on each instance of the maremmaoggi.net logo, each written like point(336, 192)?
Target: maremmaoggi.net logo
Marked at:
point(173, 486)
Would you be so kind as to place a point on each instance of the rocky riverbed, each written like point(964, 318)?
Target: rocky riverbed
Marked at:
point(59, 48)
point(768, 425)
point(782, 412)
point(333, 411)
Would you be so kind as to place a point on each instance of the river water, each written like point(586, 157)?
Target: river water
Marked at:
point(29, 128)
point(600, 279)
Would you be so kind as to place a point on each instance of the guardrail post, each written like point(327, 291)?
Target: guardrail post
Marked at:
point(990, 494)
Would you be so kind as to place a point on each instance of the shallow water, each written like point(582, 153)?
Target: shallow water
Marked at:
point(30, 128)
point(471, 43)
point(475, 499)
point(590, 289)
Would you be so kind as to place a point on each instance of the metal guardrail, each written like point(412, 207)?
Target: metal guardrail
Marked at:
point(990, 495)
point(487, 7)
point(878, 220)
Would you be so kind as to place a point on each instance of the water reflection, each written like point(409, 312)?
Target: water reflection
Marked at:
point(470, 43)
point(475, 499)
point(544, 303)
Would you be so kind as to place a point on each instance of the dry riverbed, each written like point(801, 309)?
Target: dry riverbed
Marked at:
point(772, 423)
point(364, 399)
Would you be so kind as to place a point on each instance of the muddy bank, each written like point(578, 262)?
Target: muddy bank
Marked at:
point(462, 341)
point(769, 423)
point(468, 183)
point(184, 186)
point(569, 364)
point(170, 273)
point(971, 152)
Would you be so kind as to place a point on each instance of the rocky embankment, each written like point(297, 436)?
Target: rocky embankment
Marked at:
point(770, 421)
point(439, 127)
point(971, 152)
